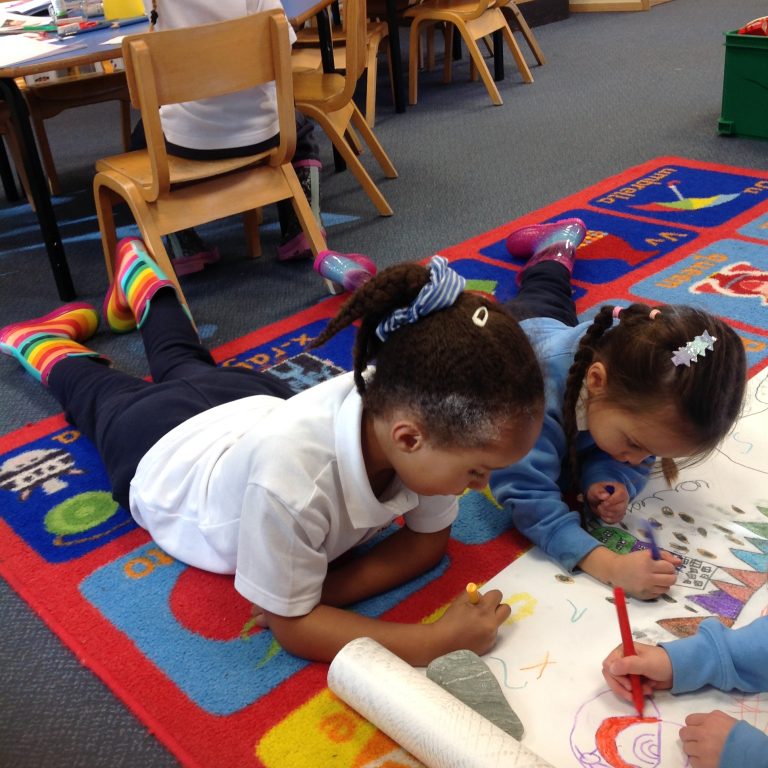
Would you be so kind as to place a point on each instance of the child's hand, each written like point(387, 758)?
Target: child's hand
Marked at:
point(473, 627)
point(651, 663)
point(703, 737)
point(643, 577)
point(608, 501)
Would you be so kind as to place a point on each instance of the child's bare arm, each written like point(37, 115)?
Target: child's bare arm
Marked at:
point(397, 559)
point(320, 634)
point(636, 572)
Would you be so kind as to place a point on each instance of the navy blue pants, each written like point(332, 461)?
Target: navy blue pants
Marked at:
point(545, 291)
point(124, 416)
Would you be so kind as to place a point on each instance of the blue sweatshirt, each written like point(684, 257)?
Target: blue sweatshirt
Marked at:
point(727, 659)
point(532, 489)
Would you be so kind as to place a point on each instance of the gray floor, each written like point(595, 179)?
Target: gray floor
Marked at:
point(617, 90)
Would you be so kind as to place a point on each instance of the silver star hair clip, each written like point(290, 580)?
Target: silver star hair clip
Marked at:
point(690, 352)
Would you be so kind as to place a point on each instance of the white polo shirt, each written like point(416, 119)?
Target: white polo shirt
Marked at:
point(236, 119)
point(273, 491)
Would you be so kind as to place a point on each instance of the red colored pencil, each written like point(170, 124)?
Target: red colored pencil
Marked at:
point(629, 647)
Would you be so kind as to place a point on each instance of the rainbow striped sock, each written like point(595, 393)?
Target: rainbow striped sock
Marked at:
point(137, 279)
point(41, 343)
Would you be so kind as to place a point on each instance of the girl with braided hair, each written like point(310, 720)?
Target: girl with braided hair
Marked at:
point(633, 385)
point(232, 472)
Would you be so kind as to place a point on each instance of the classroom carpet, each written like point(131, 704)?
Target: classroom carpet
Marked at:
point(178, 645)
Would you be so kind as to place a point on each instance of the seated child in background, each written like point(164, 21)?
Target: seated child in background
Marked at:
point(234, 125)
point(728, 659)
point(231, 472)
point(629, 386)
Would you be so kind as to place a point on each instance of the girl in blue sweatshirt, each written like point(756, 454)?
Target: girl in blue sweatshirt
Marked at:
point(635, 384)
point(727, 659)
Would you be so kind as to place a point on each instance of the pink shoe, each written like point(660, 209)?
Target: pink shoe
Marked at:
point(296, 248)
point(526, 242)
point(344, 271)
point(189, 253)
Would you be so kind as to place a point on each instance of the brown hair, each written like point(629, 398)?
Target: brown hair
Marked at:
point(637, 354)
point(462, 381)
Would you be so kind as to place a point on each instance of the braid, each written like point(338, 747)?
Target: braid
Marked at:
point(581, 361)
point(153, 16)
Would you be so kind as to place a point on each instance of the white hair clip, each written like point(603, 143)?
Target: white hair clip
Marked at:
point(690, 352)
point(480, 317)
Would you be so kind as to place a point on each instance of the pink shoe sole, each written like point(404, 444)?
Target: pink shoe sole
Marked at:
point(296, 248)
point(196, 262)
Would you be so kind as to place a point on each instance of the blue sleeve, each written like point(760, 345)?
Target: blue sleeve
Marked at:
point(530, 490)
point(598, 467)
point(745, 746)
point(725, 658)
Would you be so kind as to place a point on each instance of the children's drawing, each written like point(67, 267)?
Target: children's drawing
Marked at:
point(548, 658)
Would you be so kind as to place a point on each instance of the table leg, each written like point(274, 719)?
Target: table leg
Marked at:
point(498, 55)
point(325, 36)
point(398, 82)
point(38, 186)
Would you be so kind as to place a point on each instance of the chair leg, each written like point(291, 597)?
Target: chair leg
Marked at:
point(15, 152)
point(45, 155)
point(522, 25)
point(517, 54)
point(105, 199)
point(447, 52)
point(370, 83)
point(351, 159)
point(354, 140)
point(375, 146)
point(251, 222)
point(125, 124)
point(414, 52)
point(482, 67)
point(303, 211)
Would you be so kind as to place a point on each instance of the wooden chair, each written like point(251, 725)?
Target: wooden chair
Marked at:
point(167, 193)
point(306, 56)
point(77, 89)
point(8, 130)
point(327, 99)
point(475, 20)
point(517, 20)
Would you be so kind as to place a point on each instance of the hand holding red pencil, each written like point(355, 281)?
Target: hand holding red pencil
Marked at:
point(628, 647)
point(651, 664)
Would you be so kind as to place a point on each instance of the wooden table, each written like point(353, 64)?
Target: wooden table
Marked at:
point(94, 51)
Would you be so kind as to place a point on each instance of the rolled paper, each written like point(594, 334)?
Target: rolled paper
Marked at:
point(426, 720)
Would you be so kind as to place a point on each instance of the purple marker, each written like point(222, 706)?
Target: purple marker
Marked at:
point(655, 554)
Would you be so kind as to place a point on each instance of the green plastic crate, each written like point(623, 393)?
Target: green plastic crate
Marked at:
point(745, 86)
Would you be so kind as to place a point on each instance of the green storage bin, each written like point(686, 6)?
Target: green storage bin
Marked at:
point(745, 86)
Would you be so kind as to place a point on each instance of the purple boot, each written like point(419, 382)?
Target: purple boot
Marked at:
point(556, 241)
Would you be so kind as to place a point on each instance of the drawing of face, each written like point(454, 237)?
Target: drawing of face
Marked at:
point(621, 740)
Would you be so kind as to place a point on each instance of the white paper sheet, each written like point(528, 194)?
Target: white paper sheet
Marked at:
point(19, 48)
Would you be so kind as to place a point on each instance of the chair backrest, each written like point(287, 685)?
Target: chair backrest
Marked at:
point(356, 28)
point(178, 65)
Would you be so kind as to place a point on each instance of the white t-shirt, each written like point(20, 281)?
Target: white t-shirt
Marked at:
point(236, 119)
point(273, 491)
